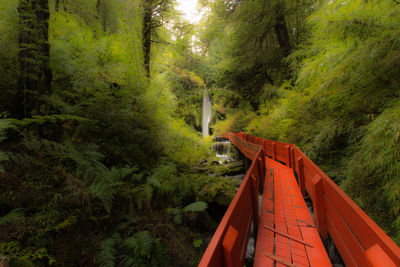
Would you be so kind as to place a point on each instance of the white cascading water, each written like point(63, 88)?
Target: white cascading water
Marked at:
point(223, 150)
point(206, 118)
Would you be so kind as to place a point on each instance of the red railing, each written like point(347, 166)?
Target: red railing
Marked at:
point(229, 243)
point(359, 240)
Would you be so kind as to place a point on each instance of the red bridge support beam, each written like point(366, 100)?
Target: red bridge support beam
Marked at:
point(318, 205)
point(301, 177)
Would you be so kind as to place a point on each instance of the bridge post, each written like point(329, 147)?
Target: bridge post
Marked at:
point(264, 169)
point(302, 186)
point(319, 205)
point(289, 156)
point(378, 257)
point(228, 244)
point(259, 171)
point(274, 151)
point(254, 191)
point(293, 154)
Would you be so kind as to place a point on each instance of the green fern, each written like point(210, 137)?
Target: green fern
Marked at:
point(142, 194)
point(105, 187)
point(3, 157)
point(5, 124)
point(15, 213)
point(107, 255)
point(176, 213)
point(162, 178)
point(140, 243)
point(129, 261)
point(196, 206)
point(143, 250)
point(159, 255)
point(46, 119)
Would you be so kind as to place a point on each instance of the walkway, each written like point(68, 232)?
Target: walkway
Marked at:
point(287, 234)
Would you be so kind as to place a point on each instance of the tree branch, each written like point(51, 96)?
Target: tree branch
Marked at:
point(161, 42)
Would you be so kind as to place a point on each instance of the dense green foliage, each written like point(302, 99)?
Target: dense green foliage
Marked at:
point(101, 172)
point(337, 99)
point(101, 168)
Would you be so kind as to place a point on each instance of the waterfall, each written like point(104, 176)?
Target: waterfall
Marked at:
point(206, 118)
point(222, 148)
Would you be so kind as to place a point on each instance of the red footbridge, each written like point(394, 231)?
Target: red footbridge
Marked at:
point(286, 233)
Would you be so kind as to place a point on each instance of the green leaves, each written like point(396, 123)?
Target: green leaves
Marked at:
point(162, 178)
point(373, 171)
point(141, 244)
point(5, 125)
point(107, 143)
point(176, 213)
point(106, 186)
point(139, 249)
point(196, 207)
point(106, 257)
point(197, 243)
point(15, 213)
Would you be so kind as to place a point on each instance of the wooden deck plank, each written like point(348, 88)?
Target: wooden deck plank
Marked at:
point(265, 239)
point(282, 244)
point(284, 209)
point(299, 254)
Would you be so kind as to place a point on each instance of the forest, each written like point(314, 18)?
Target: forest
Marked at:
point(102, 159)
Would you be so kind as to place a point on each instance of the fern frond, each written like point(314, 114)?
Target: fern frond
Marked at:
point(128, 261)
point(141, 244)
point(3, 157)
point(46, 119)
point(15, 213)
point(5, 124)
point(162, 178)
point(142, 194)
point(105, 187)
point(106, 257)
point(196, 206)
point(177, 214)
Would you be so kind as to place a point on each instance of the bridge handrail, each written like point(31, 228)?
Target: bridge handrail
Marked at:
point(229, 242)
point(354, 233)
point(359, 240)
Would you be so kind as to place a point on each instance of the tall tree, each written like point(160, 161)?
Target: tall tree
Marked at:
point(147, 28)
point(154, 16)
point(102, 12)
point(252, 40)
point(35, 76)
point(280, 28)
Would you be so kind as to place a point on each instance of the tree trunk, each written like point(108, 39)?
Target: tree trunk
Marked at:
point(147, 27)
point(282, 31)
point(102, 13)
point(34, 55)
